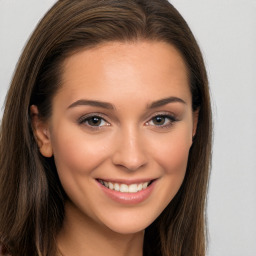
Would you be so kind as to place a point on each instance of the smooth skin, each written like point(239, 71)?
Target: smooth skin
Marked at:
point(123, 112)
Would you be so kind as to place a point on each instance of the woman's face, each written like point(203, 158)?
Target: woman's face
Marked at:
point(120, 132)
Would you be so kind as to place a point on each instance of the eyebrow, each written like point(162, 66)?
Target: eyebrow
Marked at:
point(107, 105)
point(165, 101)
point(94, 103)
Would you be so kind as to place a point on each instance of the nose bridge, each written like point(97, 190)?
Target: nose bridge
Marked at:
point(130, 152)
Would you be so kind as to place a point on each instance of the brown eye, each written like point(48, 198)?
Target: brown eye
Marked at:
point(159, 120)
point(93, 121)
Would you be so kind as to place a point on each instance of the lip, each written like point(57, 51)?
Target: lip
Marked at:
point(128, 198)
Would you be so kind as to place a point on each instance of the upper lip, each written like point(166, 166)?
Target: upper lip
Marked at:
point(127, 181)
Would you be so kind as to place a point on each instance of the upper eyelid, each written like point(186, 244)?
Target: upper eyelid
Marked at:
point(87, 116)
point(105, 118)
point(162, 113)
point(169, 124)
point(172, 118)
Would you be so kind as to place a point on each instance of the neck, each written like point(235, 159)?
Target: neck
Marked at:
point(82, 236)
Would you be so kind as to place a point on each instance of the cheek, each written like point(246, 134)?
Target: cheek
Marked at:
point(172, 157)
point(176, 156)
point(172, 152)
point(77, 153)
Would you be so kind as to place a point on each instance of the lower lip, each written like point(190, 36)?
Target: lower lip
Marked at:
point(128, 198)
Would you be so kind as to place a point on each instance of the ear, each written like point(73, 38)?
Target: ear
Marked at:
point(195, 121)
point(41, 132)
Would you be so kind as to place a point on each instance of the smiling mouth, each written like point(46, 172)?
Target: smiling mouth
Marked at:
point(125, 188)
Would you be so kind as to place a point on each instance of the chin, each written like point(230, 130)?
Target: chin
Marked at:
point(127, 229)
point(128, 224)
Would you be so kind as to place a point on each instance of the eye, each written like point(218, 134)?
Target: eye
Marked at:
point(161, 121)
point(94, 121)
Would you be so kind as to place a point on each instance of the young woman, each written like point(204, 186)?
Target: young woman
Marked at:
point(106, 135)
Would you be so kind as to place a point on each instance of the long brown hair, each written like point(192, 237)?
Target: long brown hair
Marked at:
point(31, 196)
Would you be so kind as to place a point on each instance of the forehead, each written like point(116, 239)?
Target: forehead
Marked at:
point(151, 68)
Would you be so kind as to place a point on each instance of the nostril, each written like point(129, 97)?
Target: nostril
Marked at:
point(129, 152)
point(130, 165)
point(129, 161)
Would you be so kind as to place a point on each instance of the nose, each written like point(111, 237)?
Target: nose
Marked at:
point(129, 151)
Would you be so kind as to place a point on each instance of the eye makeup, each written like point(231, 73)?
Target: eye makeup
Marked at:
point(93, 121)
point(97, 121)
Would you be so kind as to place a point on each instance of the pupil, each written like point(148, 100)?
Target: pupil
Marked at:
point(159, 120)
point(94, 121)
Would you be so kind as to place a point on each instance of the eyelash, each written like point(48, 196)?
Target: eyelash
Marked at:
point(169, 121)
point(86, 119)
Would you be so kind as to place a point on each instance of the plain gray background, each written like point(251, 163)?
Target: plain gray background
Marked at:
point(226, 32)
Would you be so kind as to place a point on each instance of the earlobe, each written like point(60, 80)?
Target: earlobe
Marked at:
point(41, 132)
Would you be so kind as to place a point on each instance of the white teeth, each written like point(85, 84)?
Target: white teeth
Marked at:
point(139, 187)
point(144, 185)
point(105, 184)
point(110, 185)
point(124, 188)
point(116, 187)
point(133, 188)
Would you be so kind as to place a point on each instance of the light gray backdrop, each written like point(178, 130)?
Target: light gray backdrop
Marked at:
point(226, 32)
